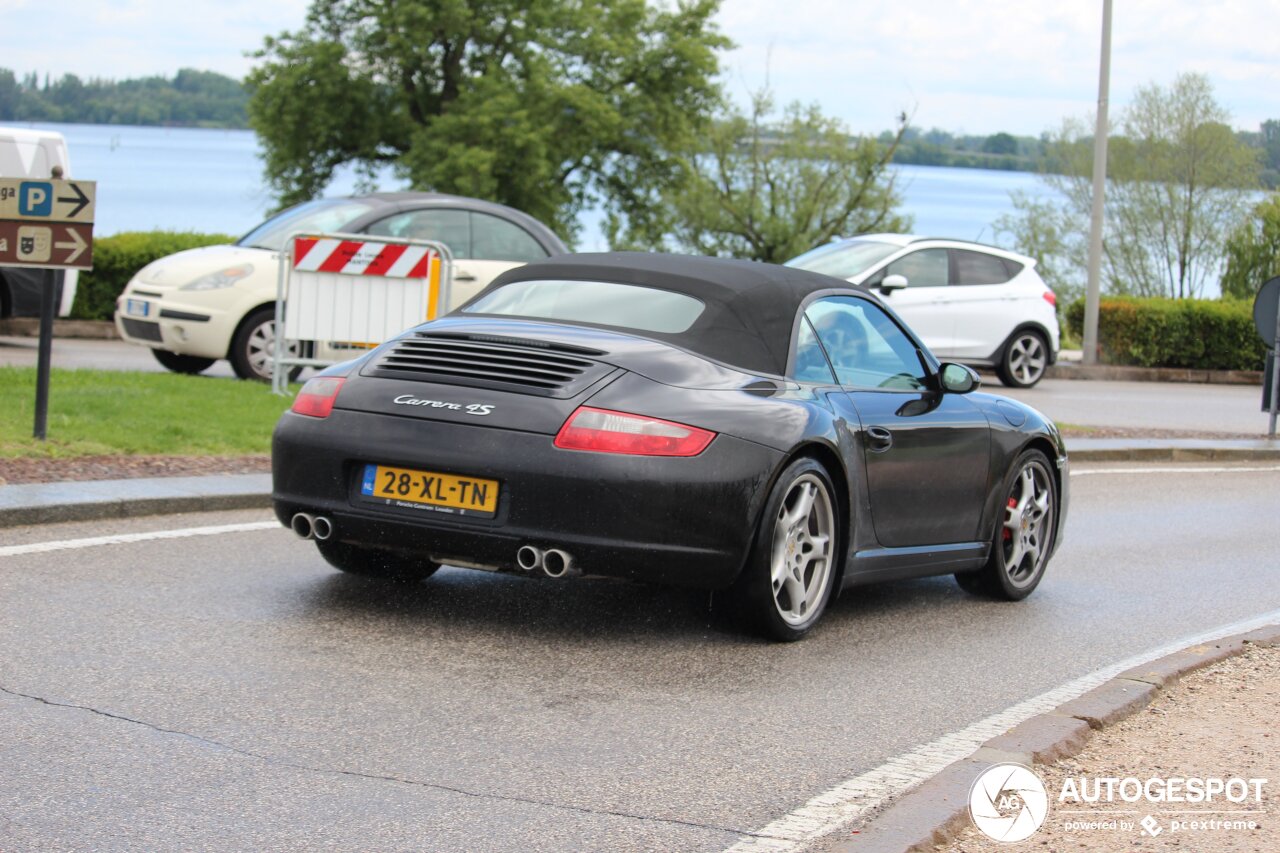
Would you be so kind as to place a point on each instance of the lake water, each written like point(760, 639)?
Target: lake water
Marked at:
point(188, 179)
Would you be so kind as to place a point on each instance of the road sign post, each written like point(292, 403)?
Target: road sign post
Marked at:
point(1266, 319)
point(46, 224)
point(45, 356)
point(1275, 374)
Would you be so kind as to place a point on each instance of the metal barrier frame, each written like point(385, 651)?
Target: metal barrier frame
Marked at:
point(283, 362)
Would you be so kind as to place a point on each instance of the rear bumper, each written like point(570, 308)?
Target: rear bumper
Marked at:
point(687, 522)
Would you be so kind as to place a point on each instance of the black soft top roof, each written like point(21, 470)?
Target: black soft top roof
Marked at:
point(750, 307)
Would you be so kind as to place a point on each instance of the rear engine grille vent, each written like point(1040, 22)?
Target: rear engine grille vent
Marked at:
point(527, 366)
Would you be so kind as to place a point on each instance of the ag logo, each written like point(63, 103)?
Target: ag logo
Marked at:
point(1008, 802)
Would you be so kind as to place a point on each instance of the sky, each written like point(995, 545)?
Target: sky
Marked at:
point(965, 66)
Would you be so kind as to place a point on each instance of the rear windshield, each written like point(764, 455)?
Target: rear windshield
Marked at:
point(625, 306)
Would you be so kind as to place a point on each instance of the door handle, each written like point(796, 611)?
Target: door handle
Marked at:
point(879, 439)
point(463, 276)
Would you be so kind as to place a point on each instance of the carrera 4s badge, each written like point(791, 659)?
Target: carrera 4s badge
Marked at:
point(479, 409)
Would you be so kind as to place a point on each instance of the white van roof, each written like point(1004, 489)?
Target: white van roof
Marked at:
point(26, 153)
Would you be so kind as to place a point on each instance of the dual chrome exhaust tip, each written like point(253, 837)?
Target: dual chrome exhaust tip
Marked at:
point(553, 562)
point(309, 526)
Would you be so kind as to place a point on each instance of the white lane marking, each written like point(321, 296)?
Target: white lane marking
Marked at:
point(1168, 470)
point(851, 800)
point(124, 538)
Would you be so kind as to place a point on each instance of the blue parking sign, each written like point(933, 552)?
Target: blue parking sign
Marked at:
point(35, 198)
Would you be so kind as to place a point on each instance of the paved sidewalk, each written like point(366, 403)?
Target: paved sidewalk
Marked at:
point(45, 503)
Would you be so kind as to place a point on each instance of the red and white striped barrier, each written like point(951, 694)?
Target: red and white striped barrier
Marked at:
point(352, 257)
point(343, 292)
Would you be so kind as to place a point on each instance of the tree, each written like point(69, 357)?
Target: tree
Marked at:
point(769, 191)
point(1000, 143)
point(540, 104)
point(1178, 181)
point(1253, 252)
point(1049, 232)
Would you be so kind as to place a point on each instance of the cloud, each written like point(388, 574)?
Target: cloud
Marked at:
point(978, 65)
point(988, 65)
point(132, 38)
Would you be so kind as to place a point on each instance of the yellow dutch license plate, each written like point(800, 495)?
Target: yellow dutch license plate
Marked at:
point(430, 489)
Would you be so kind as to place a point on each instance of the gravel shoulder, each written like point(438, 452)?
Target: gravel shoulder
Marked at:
point(25, 469)
point(1216, 723)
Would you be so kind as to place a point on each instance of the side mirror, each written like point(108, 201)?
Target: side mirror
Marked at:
point(958, 379)
point(893, 282)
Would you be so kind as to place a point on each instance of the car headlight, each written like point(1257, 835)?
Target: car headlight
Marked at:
point(220, 279)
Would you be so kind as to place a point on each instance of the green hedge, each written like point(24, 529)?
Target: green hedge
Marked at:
point(117, 258)
point(1200, 334)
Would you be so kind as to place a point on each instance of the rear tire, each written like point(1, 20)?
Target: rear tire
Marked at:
point(178, 363)
point(1024, 534)
point(1024, 361)
point(254, 346)
point(790, 573)
point(374, 563)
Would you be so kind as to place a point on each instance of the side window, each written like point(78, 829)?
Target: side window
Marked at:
point(451, 227)
point(979, 268)
point(867, 349)
point(811, 361)
point(494, 239)
point(925, 268)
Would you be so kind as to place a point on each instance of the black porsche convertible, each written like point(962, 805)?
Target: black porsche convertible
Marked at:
point(761, 430)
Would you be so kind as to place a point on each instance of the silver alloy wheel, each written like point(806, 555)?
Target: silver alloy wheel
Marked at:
point(800, 567)
point(260, 349)
point(1028, 523)
point(1027, 358)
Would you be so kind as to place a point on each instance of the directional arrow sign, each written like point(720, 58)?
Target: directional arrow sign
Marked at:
point(54, 245)
point(47, 200)
point(75, 196)
point(75, 244)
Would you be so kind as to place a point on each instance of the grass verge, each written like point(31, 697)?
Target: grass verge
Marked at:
point(113, 412)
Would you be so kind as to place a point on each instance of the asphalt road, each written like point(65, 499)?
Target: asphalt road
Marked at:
point(230, 692)
point(1149, 405)
point(79, 353)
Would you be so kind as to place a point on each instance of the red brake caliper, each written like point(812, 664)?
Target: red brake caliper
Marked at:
point(1008, 534)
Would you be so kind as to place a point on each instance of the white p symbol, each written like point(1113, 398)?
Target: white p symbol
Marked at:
point(34, 200)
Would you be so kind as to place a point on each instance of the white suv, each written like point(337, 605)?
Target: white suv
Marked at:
point(968, 302)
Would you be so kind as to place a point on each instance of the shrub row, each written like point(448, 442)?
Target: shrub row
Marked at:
point(1199, 334)
point(117, 258)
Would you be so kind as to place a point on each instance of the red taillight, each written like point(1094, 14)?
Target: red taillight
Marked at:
point(317, 396)
point(617, 432)
point(1050, 297)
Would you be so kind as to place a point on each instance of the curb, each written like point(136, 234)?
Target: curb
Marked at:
point(24, 516)
point(1122, 373)
point(29, 327)
point(937, 811)
point(1262, 452)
